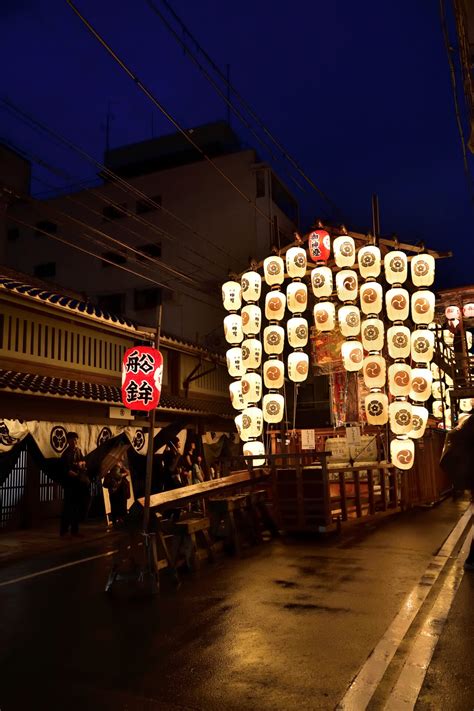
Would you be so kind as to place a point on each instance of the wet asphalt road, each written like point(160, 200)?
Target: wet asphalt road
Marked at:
point(286, 627)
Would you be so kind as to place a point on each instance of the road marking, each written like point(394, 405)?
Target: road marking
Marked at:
point(406, 691)
point(57, 567)
point(368, 678)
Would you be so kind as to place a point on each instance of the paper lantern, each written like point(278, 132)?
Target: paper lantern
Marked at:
point(274, 270)
point(297, 330)
point(437, 408)
point(251, 319)
point(448, 337)
point(376, 408)
point(371, 298)
point(422, 345)
point(252, 422)
point(238, 424)
point(236, 395)
point(319, 245)
point(273, 340)
point(251, 283)
point(352, 355)
point(419, 420)
point(421, 380)
point(438, 389)
point(324, 316)
point(400, 416)
point(423, 307)
point(469, 340)
point(273, 407)
point(296, 262)
point(369, 259)
point(437, 375)
point(275, 303)
point(251, 353)
point(447, 397)
point(453, 313)
point(349, 320)
point(448, 380)
point(321, 282)
point(448, 418)
point(398, 342)
point(344, 251)
point(297, 297)
point(399, 379)
point(346, 285)
point(233, 328)
point(422, 269)
point(397, 301)
point(231, 295)
point(251, 388)
point(402, 453)
point(234, 361)
point(372, 331)
point(463, 416)
point(374, 371)
point(254, 449)
point(465, 404)
point(298, 366)
point(396, 267)
point(468, 310)
point(273, 374)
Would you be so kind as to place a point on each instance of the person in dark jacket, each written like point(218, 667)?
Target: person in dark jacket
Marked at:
point(457, 460)
point(76, 486)
point(118, 486)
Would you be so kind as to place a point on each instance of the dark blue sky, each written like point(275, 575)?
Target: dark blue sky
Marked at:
point(359, 92)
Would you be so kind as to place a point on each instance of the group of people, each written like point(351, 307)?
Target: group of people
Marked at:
point(178, 469)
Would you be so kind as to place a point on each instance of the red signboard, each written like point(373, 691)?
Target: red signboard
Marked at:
point(142, 373)
point(319, 245)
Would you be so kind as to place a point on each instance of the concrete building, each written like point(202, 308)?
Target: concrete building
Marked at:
point(217, 230)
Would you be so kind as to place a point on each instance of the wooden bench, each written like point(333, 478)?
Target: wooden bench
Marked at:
point(185, 533)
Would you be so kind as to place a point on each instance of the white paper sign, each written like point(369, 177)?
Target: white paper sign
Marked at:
point(353, 435)
point(308, 440)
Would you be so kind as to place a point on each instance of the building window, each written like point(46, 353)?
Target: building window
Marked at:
point(146, 298)
point(153, 249)
point(13, 234)
point(114, 257)
point(45, 226)
point(46, 270)
point(114, 212)
point(260, 177)
point(143, 206)
point(115, 303)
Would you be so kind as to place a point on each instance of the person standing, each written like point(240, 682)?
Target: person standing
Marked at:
point(119, 492)
point(75, 484)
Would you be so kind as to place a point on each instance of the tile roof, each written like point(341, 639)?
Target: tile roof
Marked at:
point(29, 383)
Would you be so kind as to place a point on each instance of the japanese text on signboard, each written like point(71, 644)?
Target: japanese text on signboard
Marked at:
point(142, 373)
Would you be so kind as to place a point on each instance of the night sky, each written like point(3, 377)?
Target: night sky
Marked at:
point(359, 92)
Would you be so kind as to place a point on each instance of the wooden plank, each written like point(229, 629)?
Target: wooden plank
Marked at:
point(370, 482)
point(357, 494)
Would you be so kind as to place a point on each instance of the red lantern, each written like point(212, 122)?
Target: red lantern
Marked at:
point(142, 374)
point(319, 245)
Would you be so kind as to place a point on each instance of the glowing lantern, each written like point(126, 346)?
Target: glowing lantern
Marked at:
point(321, 282)
point(251, 319)
point(297, 330)
point(233, 328)
point(251, 353)
point(296, 262)
point(324, 316)
point(465, 404)
point(437, 408)
point(422, 307)
point(273, 374)
point(236, 395)
point(402, 453)
point(273, 407)
point(297, 297)
point(298, 366)
point(448, 418)
point(371, 298)
point(448, 337)
point(251, 388)
point(421, 380)
point(352, 355)
point(273, 340)
point(252, 422)
point(453, 313)
point(372, 332)
point(231, 295)
point(419, 420)
point(397, 301)
point(396, 267)
point(399, 379)
point(349, 320)
point(438, 389)
point(469, 340)
point(374, 371)
point(251, 283)
point(274, 270)
point(435, 371)
point(275, 303)
point(254, 449)
point(448, 380)
point(344, 251)
point(369, 259)
point(468, 310)
point(346, 285)
point(422, 269)
point(422, 345)
point(238, 424)
point(398, 342)
point(376, 408)
point(400, 416)
point(319, 245)
point(234, 361)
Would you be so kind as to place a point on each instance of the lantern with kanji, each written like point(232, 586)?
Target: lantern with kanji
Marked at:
point(142, 374)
